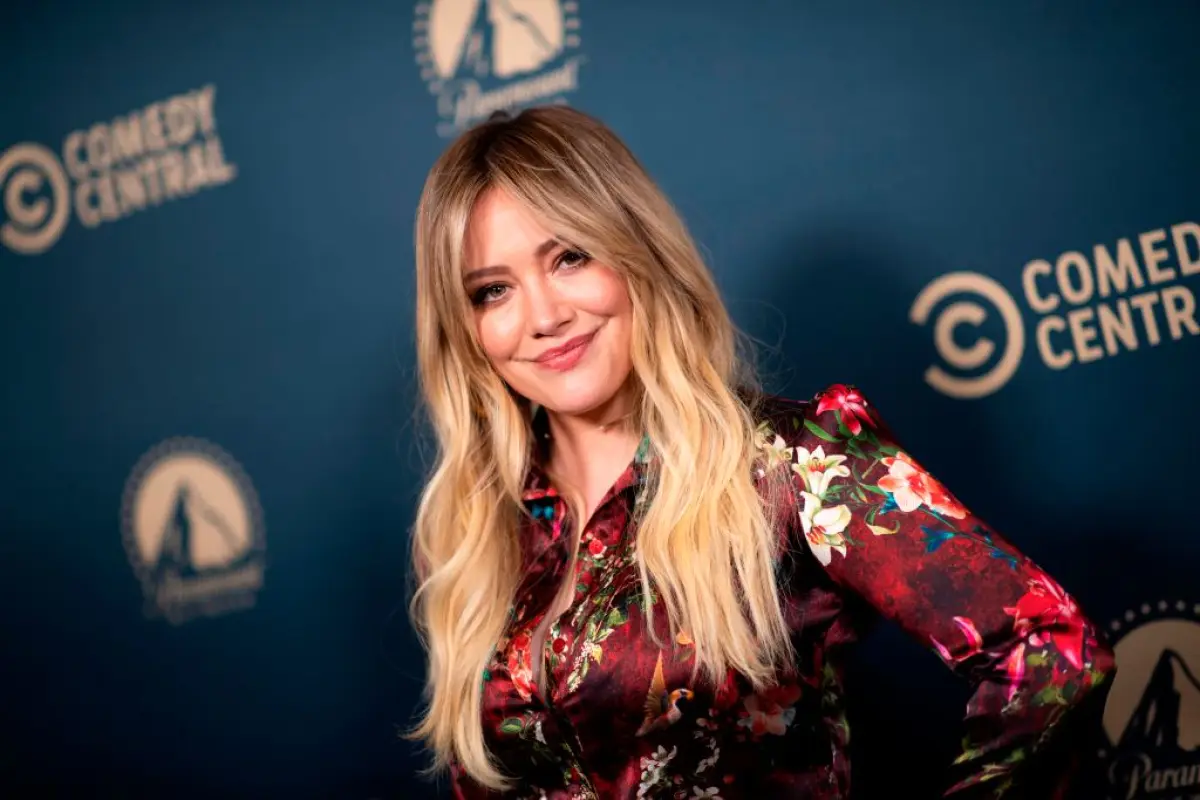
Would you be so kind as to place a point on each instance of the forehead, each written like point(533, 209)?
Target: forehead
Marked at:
point(502, 230)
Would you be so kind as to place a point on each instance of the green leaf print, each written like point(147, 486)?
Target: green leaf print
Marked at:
point(859, 477)
point(512, 726)
point(1037, 659)
point(819, 432)
point(853, 449)
point(1098, 678)
point(1051, 695)
point(885, 449)
point(969, 754)
point(870, 487)
point(836, 491)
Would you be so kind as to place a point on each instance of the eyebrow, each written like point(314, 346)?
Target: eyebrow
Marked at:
point(486, 272)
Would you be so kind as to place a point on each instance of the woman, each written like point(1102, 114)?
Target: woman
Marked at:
point(686, 639)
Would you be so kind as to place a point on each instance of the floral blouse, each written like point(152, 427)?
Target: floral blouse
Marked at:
point(620, 718)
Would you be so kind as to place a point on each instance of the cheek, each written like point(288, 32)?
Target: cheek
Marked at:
point(610, 299)
point(499, 332)
point(607, 296)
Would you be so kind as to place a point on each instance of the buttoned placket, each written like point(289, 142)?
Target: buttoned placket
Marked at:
point(633, 479)
point(553, 559)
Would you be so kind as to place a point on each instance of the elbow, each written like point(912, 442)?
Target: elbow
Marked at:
point(1066, 652)
point(1084, 674)
point(1101, 665)
point(1065, 663)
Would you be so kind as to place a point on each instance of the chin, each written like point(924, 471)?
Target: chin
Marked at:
point(576, 404)
point(577, 396)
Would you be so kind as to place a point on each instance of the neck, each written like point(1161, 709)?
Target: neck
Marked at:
point(590, 450)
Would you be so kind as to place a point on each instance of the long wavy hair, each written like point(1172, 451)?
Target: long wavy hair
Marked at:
point(709, 555)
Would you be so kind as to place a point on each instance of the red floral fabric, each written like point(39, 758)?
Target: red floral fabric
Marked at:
point(622, 718)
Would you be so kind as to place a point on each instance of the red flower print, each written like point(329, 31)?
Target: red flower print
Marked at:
point(539, 493)
point(850, 402)
point(520, 669)
point(1014, 668)
point(911, 486)
point(520, 663)
point(771, 711)
point(596, 547)
point(970, 633)
point(1047, 608)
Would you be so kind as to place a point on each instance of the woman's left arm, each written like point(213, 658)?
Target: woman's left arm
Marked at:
point(888, 531)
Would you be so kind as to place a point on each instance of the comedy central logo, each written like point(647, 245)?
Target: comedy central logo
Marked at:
point(1112, 299)
point(114, 168)
point(1152, 715)
point(193, 531)
point(482, 56)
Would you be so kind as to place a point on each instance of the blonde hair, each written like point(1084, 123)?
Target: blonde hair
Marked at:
point(710, 554)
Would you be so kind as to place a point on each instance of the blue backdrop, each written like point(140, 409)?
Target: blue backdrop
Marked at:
point(984, 216)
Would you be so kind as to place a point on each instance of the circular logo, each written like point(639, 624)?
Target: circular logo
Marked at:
point(36, 198)
point(982, 351)
point(193, 530)
point(1152, 715)
point(481, 56)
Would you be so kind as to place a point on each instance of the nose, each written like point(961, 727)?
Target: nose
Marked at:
point(549, 314)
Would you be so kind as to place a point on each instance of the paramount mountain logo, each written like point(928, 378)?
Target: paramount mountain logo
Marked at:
point(482, 56)
point(193, 531)
point(1152, 718)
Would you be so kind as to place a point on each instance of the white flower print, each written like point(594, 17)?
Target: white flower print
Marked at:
point(711, 791)
point(652, 770)
point(818, 470)
point(708, 763)
point(823, 527)
point(773, 446)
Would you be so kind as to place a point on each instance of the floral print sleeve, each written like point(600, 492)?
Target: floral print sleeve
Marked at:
point(888, 531)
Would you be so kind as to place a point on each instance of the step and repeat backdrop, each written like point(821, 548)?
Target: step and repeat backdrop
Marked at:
point(987, 217)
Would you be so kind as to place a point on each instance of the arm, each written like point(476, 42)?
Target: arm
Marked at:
point(888, 531)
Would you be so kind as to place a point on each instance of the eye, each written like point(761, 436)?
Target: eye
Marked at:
point(486, 295)
point(571, 259)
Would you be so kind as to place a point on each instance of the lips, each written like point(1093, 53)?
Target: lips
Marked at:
point(566, 354)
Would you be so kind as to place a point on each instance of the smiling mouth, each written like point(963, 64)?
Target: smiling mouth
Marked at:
point(567, 355)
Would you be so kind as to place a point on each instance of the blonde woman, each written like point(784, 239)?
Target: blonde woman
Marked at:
point(637, 574)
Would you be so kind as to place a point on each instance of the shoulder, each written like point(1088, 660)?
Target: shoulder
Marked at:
point(836, 414)
point(832, 470)
point(818, 446)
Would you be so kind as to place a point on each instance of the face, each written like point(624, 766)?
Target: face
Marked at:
point(555, 323)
